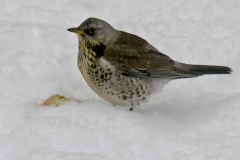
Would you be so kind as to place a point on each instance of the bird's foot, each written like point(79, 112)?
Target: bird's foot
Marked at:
point(131, 109)
point(55, 100)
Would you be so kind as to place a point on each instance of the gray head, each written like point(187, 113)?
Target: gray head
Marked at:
point(96, 31)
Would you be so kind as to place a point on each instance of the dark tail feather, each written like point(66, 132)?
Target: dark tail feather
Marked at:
point(189, 70)
point(205, 69)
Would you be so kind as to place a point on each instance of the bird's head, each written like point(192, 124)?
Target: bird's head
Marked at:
point(95, 32)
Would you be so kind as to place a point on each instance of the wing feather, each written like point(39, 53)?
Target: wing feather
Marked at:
point(135, 57)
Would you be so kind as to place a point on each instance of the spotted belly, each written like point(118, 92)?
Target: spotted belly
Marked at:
point(111, 85)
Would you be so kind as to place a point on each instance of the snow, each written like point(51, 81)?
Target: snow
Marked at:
point(190, 119)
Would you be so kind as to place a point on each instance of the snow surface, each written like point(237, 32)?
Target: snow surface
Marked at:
point(190, 119)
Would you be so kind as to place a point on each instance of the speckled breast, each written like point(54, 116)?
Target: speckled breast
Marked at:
point(108, 83)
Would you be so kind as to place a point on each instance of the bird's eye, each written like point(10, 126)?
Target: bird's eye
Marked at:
point(90, 31)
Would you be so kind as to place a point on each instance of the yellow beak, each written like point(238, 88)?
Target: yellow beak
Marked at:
point(76, 30)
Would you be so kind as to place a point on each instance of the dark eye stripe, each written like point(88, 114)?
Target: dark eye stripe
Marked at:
point(90, 31)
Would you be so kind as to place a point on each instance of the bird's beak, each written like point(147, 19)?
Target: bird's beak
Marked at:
point(76, 30)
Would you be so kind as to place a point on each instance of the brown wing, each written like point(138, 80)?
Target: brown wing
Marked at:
point(135, 57)
point(137, 62)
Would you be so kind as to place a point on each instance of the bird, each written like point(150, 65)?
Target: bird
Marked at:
point(123, 68)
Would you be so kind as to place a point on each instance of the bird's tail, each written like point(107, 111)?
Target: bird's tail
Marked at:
point(199, 70)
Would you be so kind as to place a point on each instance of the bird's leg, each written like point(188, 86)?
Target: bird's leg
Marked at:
point(131, 108)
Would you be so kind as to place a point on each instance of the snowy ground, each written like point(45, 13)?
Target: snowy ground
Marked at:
point(191, 119)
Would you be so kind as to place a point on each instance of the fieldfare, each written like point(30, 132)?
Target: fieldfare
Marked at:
point(125, 69)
